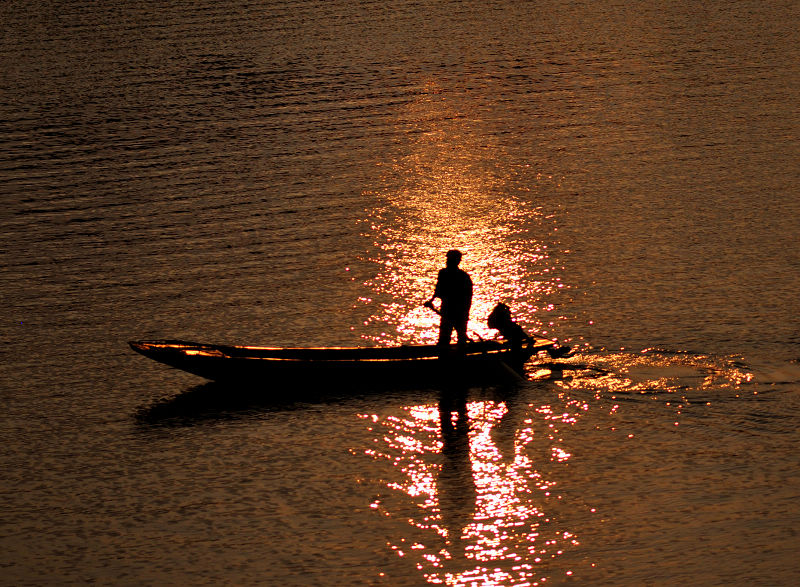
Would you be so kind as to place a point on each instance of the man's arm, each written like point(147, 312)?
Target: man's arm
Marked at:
point(436, 292)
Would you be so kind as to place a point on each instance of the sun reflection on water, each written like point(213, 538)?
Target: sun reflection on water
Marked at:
point(450, 185)
point(473, 469)
point(654, 372)
point(481, 497)
point(490, 492)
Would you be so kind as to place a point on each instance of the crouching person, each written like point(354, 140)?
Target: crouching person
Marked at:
point(500, 319)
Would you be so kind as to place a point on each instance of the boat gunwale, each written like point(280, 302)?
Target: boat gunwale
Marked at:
point(404, 353)
point(484, 361)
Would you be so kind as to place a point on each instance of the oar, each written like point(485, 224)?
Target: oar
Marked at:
point(559, 352)
point(555, 350)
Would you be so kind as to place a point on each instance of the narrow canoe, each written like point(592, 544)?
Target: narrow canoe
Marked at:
point(483, 362)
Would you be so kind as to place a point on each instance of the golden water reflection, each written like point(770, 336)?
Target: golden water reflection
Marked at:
point(475, 470)
point(476, 474)
point(451, 184)
point(655, 373)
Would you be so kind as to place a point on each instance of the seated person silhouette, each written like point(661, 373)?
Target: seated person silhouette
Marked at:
point(500, 319)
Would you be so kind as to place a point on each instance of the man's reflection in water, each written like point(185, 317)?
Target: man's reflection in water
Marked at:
point(504, 431)
point(457, 491)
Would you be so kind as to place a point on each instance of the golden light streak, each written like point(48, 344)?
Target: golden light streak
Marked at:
point(501, 534)
point(446, 188)
point(655, 374)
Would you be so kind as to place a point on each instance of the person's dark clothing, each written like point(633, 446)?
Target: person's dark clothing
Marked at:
point(454, 288)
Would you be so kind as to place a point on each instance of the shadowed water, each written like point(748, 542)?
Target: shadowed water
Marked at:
point(623, 175)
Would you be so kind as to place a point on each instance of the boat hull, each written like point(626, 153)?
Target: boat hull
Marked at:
point(475, 363)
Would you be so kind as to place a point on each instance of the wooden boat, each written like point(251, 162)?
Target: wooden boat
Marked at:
point(475, 363)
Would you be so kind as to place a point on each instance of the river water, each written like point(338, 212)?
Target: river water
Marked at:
point(623, 174)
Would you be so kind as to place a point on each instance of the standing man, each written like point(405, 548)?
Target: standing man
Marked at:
point(454, 288)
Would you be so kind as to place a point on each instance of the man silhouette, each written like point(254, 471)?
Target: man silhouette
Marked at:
point(454, 288)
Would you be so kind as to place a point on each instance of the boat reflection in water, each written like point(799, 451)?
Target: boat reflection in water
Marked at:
point(479, 495)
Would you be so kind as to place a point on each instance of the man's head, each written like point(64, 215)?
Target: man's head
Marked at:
point(453, 258)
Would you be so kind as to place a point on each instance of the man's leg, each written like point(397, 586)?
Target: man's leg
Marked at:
point(461, 332)
point(445, 331)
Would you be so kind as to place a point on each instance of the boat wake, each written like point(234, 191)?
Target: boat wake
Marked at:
point(652, 371)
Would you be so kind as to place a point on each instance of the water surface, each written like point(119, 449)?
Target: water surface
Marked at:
point(623, 175)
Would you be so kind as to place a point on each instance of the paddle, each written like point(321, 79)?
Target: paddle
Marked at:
point(560, 352)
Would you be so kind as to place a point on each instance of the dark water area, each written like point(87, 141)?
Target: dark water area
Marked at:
point(624, 175)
